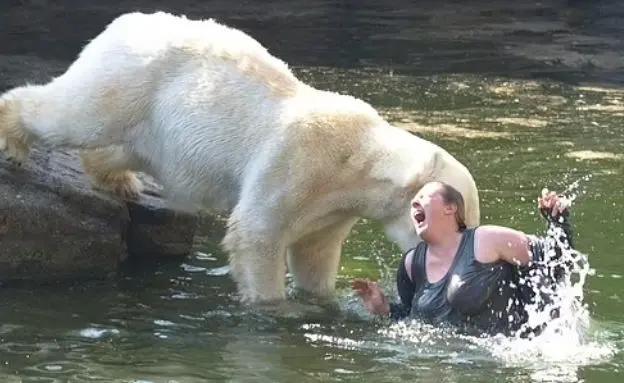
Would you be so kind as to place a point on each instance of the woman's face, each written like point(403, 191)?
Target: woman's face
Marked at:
point(427, 208)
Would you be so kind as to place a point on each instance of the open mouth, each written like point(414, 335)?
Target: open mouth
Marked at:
point(419, 217)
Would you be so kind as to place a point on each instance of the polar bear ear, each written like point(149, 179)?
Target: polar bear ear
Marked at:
point(418, 174)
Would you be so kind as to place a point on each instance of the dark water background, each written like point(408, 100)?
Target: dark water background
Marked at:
point(529, 94)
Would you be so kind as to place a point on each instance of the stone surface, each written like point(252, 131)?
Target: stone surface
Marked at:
point(155, 229)
point(54, 226)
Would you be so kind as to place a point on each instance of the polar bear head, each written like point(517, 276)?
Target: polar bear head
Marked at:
point(409, 162)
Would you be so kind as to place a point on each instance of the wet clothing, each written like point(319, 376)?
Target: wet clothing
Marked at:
point(487, 297)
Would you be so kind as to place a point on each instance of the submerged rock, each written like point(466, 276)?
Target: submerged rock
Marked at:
point(54, 226)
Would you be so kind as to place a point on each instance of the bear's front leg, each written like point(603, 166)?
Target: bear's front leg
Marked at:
point(14, 140)
point(257, 259)
point(315, 259)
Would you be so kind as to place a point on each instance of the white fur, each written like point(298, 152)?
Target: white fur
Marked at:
point(223, 125)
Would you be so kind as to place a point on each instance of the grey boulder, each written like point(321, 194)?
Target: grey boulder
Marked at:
point(54, 226)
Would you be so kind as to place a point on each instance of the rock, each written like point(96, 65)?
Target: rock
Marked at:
point(54, 226)
point(156, 230)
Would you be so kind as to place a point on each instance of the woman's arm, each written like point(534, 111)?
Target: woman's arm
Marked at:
point(405, 288)
point(518, 248)
point(375, 300)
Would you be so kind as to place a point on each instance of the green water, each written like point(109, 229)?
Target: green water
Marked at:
point(519, 106)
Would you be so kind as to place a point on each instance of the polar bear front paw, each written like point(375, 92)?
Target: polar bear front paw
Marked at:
point(13, 139)
point(16, 148)
point(123, 184)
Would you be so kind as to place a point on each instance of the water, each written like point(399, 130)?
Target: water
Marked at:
point(527, 94)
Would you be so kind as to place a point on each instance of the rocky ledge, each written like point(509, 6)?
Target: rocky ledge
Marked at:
point(55, 227)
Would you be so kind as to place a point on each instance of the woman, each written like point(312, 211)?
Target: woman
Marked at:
point(476, 278)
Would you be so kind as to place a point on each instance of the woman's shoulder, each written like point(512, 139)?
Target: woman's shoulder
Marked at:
point(419, 249)
point(491, 230)
point(411, 255)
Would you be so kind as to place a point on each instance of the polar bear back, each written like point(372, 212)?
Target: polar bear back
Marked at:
point(141, 60)
point(149, 40)
point(159, 78)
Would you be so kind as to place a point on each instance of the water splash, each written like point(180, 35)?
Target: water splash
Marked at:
point(557, 282)
point(575, 189)
point(564, 344)
point(564, 339)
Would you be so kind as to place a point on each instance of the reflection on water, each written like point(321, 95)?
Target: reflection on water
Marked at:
point(496, 84)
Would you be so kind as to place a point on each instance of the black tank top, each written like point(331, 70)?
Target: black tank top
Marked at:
point(472, 294)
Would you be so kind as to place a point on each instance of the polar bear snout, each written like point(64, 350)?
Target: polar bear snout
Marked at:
point(401, 231)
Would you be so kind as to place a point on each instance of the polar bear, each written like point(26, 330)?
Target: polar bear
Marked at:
point(223, 125)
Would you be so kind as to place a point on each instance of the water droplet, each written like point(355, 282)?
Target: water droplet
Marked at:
point(161, 322)
point(204, 256)
point(219, 271)
point(191, 268)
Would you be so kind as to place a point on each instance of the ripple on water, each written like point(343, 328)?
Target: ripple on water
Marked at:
point(219, 271)
point(30, 349)
point(336, 341)
point(98, 333)
point(182, 295)
point(191, 268)
point(65, 368)
point(204, 256)
point(8, 328)
point(37, 379)
point(588, 155)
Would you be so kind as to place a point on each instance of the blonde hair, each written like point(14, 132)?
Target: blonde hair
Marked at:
point(452, 196)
